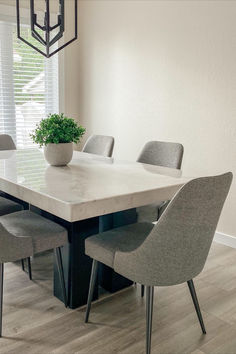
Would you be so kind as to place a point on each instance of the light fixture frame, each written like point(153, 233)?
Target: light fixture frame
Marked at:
point(47, 28)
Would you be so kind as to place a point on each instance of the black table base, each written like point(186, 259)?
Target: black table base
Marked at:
point(77, 266)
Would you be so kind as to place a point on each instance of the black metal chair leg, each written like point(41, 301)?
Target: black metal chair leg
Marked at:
point(149, 312)
point(196, 305)
point(1, 295)
point(29, 268)
point(142, 290)
point(23, 265)
point(93, 279)
point(61, 274)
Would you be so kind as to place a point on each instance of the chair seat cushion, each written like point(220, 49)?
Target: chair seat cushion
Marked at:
point(103, 246)
point(7, 206)
point(45, 233)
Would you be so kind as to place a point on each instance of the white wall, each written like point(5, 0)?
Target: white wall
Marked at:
point(163, 70)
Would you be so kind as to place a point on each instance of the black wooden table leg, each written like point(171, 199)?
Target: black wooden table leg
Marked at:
point(77, 266)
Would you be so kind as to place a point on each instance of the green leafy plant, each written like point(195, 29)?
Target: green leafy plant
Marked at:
point(56, 129)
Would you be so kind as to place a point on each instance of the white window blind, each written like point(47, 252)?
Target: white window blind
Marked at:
point(28, 86)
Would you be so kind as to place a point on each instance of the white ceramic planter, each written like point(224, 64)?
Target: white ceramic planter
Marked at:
point(58, 154)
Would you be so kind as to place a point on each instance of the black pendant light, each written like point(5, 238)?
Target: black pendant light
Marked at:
point(47, 40)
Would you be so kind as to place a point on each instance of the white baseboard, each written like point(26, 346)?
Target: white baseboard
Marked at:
point(224, 239)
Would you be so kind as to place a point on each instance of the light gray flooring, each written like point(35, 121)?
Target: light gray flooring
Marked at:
point(37, 323)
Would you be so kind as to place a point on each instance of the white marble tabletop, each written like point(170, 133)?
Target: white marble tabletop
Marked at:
point(89, 186)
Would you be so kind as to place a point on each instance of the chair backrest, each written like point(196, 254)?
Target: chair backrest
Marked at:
point(13, 248)
point(176, 249)
point(99, 145)
point(162, 153)
point(6, 142)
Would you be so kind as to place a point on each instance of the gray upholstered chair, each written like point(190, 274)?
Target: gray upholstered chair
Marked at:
point(159, 153)
point(8, 206)
point(6, 142)
point(174, 251)
point(99, 145)
point(164, 154)
point(23, 234)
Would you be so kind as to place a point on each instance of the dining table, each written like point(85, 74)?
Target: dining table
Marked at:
point(91, 194)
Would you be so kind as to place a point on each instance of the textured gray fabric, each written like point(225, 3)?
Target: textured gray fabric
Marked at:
point(103, 247)
point(13, 248)
point(99, 145)
point(162, 154)
point(7, 206)
point(6, 142)
point(44, 233)
point(177, 247)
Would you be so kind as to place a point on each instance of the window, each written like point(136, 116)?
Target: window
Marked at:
point(28, 86)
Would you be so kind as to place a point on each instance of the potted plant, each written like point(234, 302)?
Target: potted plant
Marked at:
point(57, 133)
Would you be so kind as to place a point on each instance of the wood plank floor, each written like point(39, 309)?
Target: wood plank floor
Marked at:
point(37, 323)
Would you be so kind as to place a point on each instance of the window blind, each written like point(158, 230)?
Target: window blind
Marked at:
point(28, 86)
